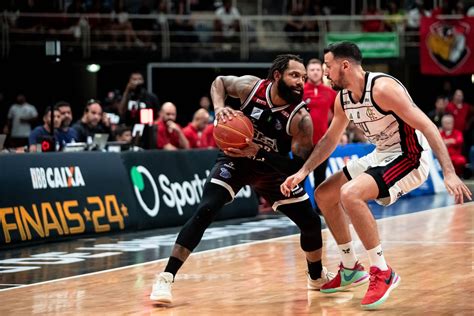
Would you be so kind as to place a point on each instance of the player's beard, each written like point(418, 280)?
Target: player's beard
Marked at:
point(339, 85)
point(287, 93)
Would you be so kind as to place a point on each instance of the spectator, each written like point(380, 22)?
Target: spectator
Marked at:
point(123, 133)
point(320, 100)
point(205, 103)
point(226, 23)
point(39, 132)
point(208, 135)
point(370, 24)
point(136, 97)
point(169, 134)
point(394, 18)
point(20, 117)
point(194, 130)
point(90, 123)
point(454, 142)
point(460, 110)
point(414, 16)
point(437, 113)
point(295, 27)
point(65, 134)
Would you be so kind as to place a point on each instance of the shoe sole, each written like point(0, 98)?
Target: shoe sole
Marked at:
point(161, 299)
point(343, 288)
point(383, 298)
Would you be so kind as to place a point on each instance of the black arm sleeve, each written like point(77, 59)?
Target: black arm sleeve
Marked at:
point(280, 163)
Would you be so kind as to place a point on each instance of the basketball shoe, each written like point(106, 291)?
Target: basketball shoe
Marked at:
point(380, 286)
point(346, 278)
point(316, 284)
point(161, 292)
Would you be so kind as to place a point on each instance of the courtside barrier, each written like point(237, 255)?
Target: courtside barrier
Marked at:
point(51, 196)
point(168, 187)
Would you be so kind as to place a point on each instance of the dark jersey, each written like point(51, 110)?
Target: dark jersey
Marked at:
point(271, 123)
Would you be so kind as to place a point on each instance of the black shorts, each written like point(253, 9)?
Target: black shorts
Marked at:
point(234, 173)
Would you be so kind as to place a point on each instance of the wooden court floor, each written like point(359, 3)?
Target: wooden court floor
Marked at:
point(431, 250)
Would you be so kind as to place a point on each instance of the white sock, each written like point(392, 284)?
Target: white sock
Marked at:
point(348, 255)
point(377, 259)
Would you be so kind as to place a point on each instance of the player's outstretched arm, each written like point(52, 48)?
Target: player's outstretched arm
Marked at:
point(321, 150)
point(236, 87)
point(391, 96)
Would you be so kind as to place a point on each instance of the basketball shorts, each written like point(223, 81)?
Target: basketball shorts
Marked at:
point(396, 174)
point(234, 173)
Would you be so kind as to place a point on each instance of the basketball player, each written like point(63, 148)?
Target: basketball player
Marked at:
point(381, 106)
point(281, 124)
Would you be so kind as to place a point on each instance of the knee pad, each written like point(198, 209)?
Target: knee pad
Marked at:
point(308, 221)
point(213, 199)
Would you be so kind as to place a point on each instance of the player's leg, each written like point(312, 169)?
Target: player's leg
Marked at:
point(351, 273)
point(319, 175)
point(217, 192)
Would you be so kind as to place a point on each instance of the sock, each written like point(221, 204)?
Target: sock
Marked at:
point(315, 269)
point(348, 256)
point(377, 259)
point(173, 265)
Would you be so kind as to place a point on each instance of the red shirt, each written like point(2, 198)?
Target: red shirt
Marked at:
point(321, 100)
point(164, 137)
point(460, 115)
point(194, 137)
point(456, 148)
point(208, 136)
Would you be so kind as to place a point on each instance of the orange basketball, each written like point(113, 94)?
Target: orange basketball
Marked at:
point(232, 133)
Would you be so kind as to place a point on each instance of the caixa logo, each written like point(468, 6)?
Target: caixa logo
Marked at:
point(151, 193)
point(56, 177)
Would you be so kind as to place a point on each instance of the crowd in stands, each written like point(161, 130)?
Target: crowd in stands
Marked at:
point(115, 28)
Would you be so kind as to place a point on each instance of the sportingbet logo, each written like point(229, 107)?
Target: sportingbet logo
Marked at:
point(57, 177)
point(151, 193)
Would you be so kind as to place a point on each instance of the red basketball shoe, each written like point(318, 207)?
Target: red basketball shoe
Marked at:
point(380, 286)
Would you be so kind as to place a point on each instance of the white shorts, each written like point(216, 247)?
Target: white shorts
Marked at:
point(396, 174)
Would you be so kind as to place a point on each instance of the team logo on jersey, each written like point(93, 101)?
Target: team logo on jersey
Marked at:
point(225, 173)
point(256, 113)
point(260, 101)
point(230, 165)
point(371, 114)
point(278, 125)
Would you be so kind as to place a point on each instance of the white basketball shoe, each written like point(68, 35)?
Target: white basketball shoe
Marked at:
point(326, 276)
point(161, 292)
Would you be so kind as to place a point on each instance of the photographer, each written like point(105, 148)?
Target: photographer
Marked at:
point(136, 97)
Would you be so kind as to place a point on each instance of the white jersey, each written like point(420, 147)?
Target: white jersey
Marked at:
point(384, 129)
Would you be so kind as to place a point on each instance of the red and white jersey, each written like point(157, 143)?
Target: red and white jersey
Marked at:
point(387, 131)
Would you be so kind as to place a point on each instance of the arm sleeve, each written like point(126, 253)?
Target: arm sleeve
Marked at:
point(280, 163)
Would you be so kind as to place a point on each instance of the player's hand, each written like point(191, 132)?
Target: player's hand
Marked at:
point(456, 187)
point(226, 113)
point(250, 151)
point(292, 181)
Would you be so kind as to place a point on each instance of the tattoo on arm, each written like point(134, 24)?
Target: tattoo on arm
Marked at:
point(304, 144)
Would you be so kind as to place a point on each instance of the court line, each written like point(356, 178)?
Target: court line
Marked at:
point(210, 250)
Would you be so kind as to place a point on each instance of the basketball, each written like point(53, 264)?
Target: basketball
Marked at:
point(232, 133)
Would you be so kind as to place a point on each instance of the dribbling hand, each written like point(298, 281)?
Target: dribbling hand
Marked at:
point(226, 113)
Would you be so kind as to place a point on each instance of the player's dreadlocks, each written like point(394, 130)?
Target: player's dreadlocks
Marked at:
point(281, 62)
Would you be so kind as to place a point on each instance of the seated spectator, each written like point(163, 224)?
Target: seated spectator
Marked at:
point(437, 113)
point(90, 123)
point(20, 117)
point(123, 133)
point(454, 141)
point(205, 103)
point(227, 23)
point(295, 27)
point(371, 24)
point(208, 136)
point(414, 16)
point(394, 18)
point(136, 97)
point(194, 130)
point(460, 110)
point(169, 134)
point(65, 134)
point(39, 132)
